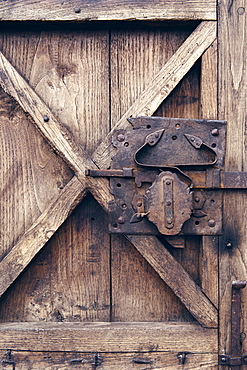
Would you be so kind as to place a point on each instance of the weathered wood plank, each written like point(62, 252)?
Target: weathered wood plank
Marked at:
point(110, 361)
point(210, 244)
point(55, 133)
point(28, 165)
point(232, 107)
point(137, 55)
point(40, 232)
point(108, 337)
point(54, 10)
point(177, 279)
point(161, 85)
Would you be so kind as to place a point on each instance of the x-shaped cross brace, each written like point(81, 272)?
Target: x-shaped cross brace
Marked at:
point(78, 160)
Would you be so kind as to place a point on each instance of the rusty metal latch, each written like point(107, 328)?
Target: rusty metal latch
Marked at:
point(236, 359)
point(166, 177)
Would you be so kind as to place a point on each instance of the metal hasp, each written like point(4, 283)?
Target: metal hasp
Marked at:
point(236, 359)
point(165, 177)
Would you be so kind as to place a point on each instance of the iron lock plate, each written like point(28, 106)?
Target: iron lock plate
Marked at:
point(152, 177)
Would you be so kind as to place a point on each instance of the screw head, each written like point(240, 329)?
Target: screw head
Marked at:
point(121, 220)
point(223, 359)
point(211, 223)
point(215, 132)
point(77, 9)
point(120, 137)
point(46, 118)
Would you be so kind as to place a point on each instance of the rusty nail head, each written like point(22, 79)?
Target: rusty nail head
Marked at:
point(215, 132)
point(46, 118)
point(211, 223)
point(77, 9)
point(121, 220)
point(120, 137)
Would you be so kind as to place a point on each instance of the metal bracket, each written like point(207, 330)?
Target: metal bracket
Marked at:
point(189, 154)
point(236, 359)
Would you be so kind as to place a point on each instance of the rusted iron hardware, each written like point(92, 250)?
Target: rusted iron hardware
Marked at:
point(236, 359)
point(167, 175)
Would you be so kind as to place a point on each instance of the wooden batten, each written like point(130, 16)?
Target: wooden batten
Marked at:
point(55, 10)
point(108, 337)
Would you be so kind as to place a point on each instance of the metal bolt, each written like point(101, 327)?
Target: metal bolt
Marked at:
point(215, 132)
point(168, 182)
point(192, 139)
point(46, 118)
point(223, 359)
point(168, 203)
point(120, 137)
point(211, 223)
point(77, 9)
point(121, 220)
point(139, 204)
point(241, 10)
point(229, 244)
point(138, 216)
point(197, 200)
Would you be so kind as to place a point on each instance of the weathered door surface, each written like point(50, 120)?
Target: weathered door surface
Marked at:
point(72, 295)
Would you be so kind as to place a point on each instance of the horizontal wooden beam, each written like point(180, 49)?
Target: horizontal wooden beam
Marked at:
point(39, 233)
point(110, 360)
point(177, 279)
point(107, 10)
point(107, 337)
point(161, 86)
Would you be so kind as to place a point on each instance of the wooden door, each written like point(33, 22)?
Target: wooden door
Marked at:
point(73, 296)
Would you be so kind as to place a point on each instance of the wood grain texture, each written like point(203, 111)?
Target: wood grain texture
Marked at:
point(108, 337)
point(209, 106)
point(161, 85)
point(56, 134)
point(232, 107)
point(69, 279)
point(136, 56)
point(107, 10)
point(122, 361)
point(69, 71)
point(177, 279)
point(138, 293)
point(31, 175)
point(39, 233)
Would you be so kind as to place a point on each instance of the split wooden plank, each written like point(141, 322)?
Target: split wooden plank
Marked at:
point(108, 337)
point(40, 232)
point(232, 82)
point(210, 244)
point(156, 360)
point(55, 10)
point(161, 86)
point(52, 130)
point(177, 279)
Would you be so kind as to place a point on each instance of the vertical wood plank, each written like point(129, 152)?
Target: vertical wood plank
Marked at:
point(232, 108)
point(208, 101)
point(138, 293)
point(71, 279)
